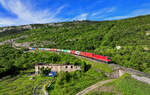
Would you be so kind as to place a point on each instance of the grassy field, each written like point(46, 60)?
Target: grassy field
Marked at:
point(21, 85)
point(129, 86)
point(125, 85)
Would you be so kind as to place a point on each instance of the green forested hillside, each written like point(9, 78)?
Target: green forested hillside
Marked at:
point(13, 61)
point(20, 65)
point(97, 37)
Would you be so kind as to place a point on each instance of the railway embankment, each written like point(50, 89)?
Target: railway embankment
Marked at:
point(141, 76)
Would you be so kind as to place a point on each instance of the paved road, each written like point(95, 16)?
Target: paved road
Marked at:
point(90, 88)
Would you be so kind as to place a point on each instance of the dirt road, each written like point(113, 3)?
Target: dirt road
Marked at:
point(92, 87)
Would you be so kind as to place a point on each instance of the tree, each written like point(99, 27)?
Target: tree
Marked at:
point(45, 71)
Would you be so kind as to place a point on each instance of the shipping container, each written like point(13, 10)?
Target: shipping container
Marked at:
point(69, 51)
point(47, 49)
point(58, 50)
point(65, 51)
point(53, 49)
point(42, 49)
point(39, 48)
point(72, 52)
point(33, 48)
point(30, 48)
point(77, 52)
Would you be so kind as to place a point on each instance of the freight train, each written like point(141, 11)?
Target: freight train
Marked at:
point(101, 58)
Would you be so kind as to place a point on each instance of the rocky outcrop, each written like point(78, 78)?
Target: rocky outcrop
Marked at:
point(25, 44)
point(10, 28)
point(28, 27)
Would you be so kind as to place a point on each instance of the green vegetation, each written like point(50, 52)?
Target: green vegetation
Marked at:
point(16, 62)
point(102, 67)
point(129, 86)
point(44, 71)
point(64, 82)
point(125, 85)
point(20, 85)
point(100, 93)
point(99, 67)
point(97, 37)
point(13, 61)
point(71, 83)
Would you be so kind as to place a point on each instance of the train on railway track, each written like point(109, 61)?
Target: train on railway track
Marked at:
point(101, 58)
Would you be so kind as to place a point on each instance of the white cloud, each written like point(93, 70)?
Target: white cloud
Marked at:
point(82, 16)
point(132, 14)
point(104, 11)
point(6, 21)
point(25, 15)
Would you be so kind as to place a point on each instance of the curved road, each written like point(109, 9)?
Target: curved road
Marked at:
point(90, 88)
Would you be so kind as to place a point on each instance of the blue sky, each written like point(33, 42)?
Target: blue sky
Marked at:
point(20, 12)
